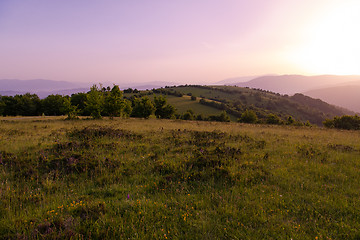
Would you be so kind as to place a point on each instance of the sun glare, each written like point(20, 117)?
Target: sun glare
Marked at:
point(333, 42)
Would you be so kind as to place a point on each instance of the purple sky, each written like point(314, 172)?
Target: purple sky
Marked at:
point(184, 41)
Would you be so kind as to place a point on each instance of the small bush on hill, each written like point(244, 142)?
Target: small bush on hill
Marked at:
point(248, 116)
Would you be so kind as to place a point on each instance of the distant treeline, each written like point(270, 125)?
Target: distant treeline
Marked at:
point(98, 102)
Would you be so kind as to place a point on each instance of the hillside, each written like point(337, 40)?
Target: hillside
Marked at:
point(291, 84)
point(236, 100)
point(343, 96)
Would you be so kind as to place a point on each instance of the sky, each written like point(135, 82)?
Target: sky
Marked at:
point(180, 41)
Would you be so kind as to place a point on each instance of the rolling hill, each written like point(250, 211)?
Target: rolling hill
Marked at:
point(235, 100)
point(343, 96)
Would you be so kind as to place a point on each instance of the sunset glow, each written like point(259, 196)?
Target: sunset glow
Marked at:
point(332, 44)
point(177, 41)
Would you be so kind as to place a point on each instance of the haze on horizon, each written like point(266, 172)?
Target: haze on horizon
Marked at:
point(184, 41)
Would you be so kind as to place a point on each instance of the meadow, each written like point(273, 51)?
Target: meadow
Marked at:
point(173, 179)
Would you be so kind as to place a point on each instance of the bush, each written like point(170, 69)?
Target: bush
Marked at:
point(344, 122)
point(248, 116)
point(142, 107)
point(222, 117)
point(188, 115)
point(273, 119)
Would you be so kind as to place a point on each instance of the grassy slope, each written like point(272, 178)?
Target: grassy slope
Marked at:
point(133, 178)
point(302, 108)
point(184, 103)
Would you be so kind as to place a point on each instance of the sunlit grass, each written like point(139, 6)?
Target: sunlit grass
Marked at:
point(170, 179)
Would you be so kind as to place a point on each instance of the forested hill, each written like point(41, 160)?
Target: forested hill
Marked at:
point(189, 102)
point(236, 100)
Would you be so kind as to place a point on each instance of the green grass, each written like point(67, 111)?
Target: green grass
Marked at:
point(172, 179)
point(184, 103)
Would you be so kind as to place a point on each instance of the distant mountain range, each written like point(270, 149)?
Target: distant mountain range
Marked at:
point(37, 85)
point(291, 84)
point(235, 80)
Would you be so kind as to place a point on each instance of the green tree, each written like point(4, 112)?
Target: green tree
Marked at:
point(78, 100)
point(114, 103)
point(10, 106)
point(52, 105)
point(27, 104)
point(2, 106)
point(69, 109)
point(142, 107)
point(94, 102)
point(127, 108)
point(248, 116)
point(163, 110)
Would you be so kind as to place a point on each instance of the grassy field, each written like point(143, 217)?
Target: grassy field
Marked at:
point(184, 103)
point(172, 179)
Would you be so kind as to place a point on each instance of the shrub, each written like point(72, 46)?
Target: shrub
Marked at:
point(344, 122)
point(273, 119)
point(248, 116)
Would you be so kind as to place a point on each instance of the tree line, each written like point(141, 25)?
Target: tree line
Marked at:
point(97, 102)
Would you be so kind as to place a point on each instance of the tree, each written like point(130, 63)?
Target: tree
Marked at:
point(114, 103)
point(2, 106)
point(159, 103)
point(27, 104)
point(168, 112)
point(163, 110)
point(10, 106)
point(78, 100)
point(127, 108)
point(94, 102)
point(142, 107)
point(52, 105)
point(69, 109)
point(248, 116)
